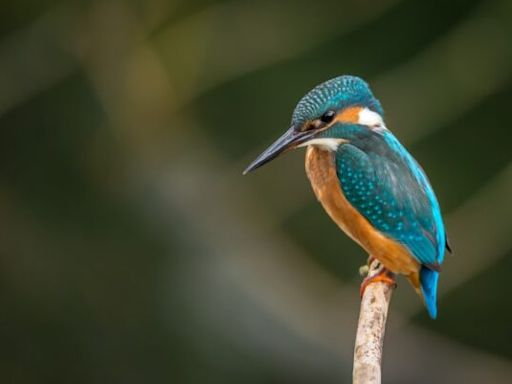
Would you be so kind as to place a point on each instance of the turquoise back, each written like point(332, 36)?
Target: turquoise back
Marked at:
point(388, 187)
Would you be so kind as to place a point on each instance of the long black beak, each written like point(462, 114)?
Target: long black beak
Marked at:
point(289, 140)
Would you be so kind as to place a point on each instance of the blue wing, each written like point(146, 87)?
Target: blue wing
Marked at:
point(388, 187)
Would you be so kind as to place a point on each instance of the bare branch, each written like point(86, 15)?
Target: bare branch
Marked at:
point(371, 328)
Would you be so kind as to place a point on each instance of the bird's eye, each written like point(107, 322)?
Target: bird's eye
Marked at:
point(328, 116)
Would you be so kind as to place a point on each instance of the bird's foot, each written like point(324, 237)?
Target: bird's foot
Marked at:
point(364, 270)
point(384, 275)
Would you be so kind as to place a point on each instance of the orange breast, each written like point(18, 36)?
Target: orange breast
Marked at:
point(321, 171)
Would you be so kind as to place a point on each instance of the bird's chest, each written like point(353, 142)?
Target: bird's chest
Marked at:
point(321, 171)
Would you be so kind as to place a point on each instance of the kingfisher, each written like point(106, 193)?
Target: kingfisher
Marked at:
point(368, 183)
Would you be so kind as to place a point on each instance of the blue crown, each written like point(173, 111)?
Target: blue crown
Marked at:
point(337, 93)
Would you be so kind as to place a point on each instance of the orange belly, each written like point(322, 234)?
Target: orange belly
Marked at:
point(321, 171)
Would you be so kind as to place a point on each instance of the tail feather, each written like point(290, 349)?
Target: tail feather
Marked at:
point(428, 282)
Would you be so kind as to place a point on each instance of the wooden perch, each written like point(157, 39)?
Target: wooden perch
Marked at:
point(371, 328)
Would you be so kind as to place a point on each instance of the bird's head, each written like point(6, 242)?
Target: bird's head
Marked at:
point(319, 117)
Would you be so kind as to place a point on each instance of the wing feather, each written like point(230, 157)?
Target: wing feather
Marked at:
point(388, 187)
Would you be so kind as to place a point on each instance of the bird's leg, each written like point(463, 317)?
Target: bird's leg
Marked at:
point(384, 275)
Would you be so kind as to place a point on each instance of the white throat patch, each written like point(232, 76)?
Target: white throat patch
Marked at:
point(330, 144)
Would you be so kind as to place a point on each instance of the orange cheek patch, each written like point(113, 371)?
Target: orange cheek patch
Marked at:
point(349, 115)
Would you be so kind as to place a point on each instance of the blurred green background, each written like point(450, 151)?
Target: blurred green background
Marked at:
point(132, 250)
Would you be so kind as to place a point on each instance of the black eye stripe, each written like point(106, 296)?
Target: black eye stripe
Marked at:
point(328, 116)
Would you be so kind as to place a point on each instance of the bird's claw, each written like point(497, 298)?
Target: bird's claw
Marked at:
point(384, 276)
point(364, 269)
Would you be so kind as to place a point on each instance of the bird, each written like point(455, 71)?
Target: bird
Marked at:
point(368, 183)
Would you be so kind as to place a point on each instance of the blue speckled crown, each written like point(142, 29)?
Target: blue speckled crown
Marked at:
point(337, 93)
